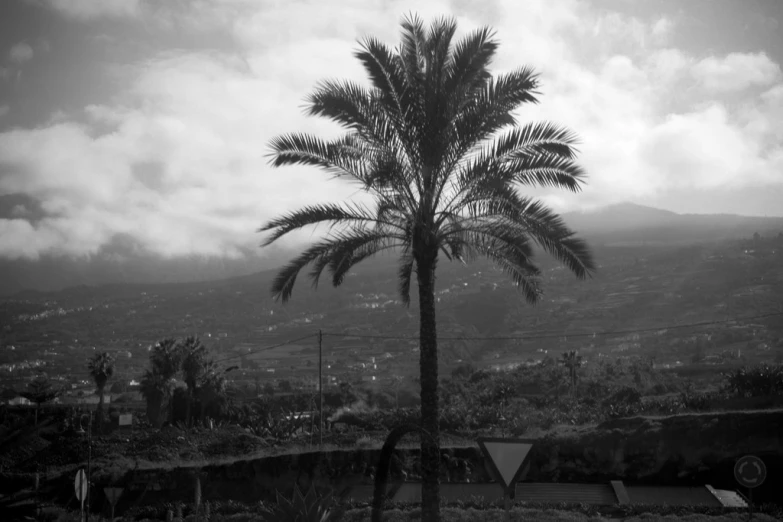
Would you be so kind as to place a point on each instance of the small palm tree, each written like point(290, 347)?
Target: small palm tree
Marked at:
point(157, 384)
point(194, 365)
point(573, 361)
point(166, 360)
point(155, 388)
point(101, 368)
point(213, 393)
point(422, 142)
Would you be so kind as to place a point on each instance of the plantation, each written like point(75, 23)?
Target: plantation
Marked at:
point(238, 451)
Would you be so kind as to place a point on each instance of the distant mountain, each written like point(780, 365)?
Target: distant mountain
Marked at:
point(628, 222)
point(123, 263)
point(55, 273)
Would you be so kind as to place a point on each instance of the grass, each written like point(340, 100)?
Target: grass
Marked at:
point(452, 514)
point(449, 514)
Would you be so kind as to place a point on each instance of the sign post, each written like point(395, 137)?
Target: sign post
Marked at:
point(113, 495)
point(80, 487)
point(750, 472)
point(508, 459)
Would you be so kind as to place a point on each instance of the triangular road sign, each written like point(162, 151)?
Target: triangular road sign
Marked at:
point(113, 494)
point(507, 456)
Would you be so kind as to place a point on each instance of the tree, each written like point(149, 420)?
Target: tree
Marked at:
point(554, 379)
point(157, 384)
point(418, 143)
point(194, 366)
point(40, 391)
point(101, 368)
point(153, 388)
point(573, 361)
point(285, 386)
point(213, 394)
point(166, 360)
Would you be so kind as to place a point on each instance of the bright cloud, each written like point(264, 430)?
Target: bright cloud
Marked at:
point(21, 52)
point(177, 160)
point(737, 71)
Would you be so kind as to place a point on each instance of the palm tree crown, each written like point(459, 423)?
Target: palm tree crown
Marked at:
point(434, 142)
point(421, 141)
point(101, 368)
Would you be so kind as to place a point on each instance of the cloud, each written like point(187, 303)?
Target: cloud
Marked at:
point(21, 52)
point(4, 110)
point(662, 27)
point(84, 10)
point(736, 71)
point(176, 160)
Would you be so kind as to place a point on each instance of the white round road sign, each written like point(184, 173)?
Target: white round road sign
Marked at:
point(750, 471)
point(80, 485)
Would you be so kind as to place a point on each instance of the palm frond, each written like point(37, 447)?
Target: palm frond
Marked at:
point(508, 250)
point(314, 214)
point(341, 157)
point(533, 139)
point(343, 102)
point(488, 110)
point(384, 72)
point(326, 253)
point(439, 39)
point(546, 170)
point(404, 276)
point(352, 252)
point(391, 91)
point(413, 42)
point(525, 216)
point(469, 61)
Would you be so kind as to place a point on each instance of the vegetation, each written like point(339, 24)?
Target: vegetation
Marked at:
point(101, 368)
point(40, 391)
point(205, 384)
point(572, 360)
point(418, 143)
point(310, 507)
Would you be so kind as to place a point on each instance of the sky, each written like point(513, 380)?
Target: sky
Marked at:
point(147, 123)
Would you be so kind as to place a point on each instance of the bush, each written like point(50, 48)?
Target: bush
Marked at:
point(758, 381)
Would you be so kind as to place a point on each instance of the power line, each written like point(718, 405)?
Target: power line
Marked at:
point(509, 338)
point(266, 348)
point(559, 335)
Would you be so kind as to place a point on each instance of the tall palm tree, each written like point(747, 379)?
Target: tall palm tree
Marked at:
point(101, 368)
point(573, 361)
point(194, 364)
point(423, 142)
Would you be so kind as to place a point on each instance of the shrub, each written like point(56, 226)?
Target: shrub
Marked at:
point(758, 381)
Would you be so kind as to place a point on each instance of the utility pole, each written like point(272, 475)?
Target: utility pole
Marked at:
point(320, 391)
point(89, 466)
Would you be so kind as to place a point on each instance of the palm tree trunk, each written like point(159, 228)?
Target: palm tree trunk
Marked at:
point(171, 407)
point(428, 367)
point(384, 462)
point(99, 416)
point(189, 406)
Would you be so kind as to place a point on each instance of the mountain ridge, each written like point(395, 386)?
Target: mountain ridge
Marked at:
point(621, 223)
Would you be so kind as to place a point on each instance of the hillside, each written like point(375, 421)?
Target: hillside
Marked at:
point(638, 290)
point(123, 261)
point(627, 222)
